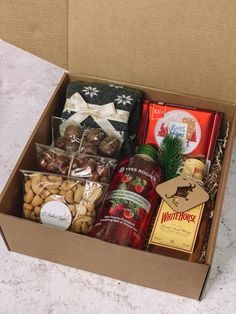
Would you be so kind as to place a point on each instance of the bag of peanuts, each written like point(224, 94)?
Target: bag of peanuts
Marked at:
point(52, 159)
point(96, 142)
point(66, 134)
point(92, 167)
point(60, 202)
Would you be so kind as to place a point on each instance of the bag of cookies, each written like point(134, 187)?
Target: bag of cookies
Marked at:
point(66, 134)
point(96, 142)
point(92, 167)
point(62, 203)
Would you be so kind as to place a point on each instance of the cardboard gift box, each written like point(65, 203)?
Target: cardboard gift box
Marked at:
point(171, 51)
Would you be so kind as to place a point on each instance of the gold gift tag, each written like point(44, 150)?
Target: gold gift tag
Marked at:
point(182, 193)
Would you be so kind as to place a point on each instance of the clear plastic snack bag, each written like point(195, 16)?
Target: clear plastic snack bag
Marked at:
point(53, 159)
point(96, 142)
point(60, 202)
point(66, 135)
point(92, 167)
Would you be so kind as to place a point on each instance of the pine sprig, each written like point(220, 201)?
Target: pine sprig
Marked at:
point(170, 155)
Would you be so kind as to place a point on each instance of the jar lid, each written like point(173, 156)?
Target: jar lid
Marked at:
point(149, 151)
point(195, 161)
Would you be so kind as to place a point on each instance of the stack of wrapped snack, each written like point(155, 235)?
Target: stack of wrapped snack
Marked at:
point(86, 142)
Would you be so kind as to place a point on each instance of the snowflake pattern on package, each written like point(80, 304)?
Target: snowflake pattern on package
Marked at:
point(125, 106)
point(90, 91)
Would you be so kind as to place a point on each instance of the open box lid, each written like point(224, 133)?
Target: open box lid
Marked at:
point(183, 46)
point(40, 27)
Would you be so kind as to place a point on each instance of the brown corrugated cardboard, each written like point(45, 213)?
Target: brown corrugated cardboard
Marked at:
point(221, 191)
point(147, 269)
point(39, 27)
point(182, 46)
point(159, 44)
point(139, 267)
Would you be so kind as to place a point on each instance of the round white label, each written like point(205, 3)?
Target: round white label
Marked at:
point(56, 214)
point(182, 124)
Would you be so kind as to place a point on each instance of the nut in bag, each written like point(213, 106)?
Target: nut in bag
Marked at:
point(52, 159)
point(66, 135)
point(62, 203)
point(96, 142)
point(92, 167)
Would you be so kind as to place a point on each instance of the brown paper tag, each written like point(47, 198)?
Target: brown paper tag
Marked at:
point(182, 193)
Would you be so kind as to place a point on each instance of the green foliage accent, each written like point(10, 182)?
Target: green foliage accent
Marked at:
point(139, 181)
point(123, 186)
point(170, 155)
point(133, 209)
point(115, 201)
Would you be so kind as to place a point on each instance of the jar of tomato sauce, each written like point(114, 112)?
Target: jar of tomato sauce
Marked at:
point(131, 201)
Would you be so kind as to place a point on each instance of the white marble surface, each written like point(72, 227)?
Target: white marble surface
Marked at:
point(30, 285)
point(26, 85)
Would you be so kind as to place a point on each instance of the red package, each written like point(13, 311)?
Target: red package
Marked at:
point(198, 128)
point(143, 124)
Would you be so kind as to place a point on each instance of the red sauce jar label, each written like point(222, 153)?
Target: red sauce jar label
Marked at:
point(131, 203)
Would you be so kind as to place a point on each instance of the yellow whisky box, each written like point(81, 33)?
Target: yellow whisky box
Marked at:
point(176, 230)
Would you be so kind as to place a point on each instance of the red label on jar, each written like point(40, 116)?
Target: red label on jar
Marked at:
point(130, 204)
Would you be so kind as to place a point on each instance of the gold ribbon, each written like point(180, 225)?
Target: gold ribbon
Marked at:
point(101, 114)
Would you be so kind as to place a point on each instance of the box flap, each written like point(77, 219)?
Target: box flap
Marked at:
point(70, 249)
point(182, 46)
point(39, 27)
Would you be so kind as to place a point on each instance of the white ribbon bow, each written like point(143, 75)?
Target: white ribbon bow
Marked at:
point(101, 114)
